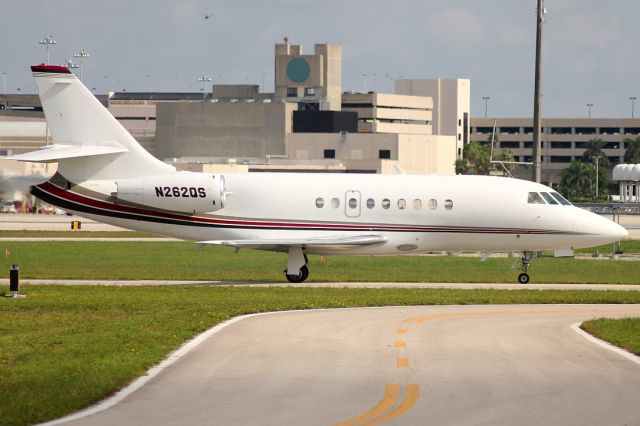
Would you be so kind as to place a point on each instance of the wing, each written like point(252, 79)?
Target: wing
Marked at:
point(342, 242)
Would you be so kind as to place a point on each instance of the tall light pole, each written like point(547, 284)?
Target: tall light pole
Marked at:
point(536, 173)
point(597, 158)
point(633, 106)
point(204, 79)
point(589, 108)
point(486, 104)
point(81, 56)
point(47, 41)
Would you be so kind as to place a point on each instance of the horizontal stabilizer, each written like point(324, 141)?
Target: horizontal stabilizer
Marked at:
point(325, 242)
point(57, 152)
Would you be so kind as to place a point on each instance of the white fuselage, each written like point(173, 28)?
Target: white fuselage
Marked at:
point(415, 213)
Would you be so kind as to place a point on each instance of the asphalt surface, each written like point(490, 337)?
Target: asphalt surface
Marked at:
point(440, 365)
point(25, 283)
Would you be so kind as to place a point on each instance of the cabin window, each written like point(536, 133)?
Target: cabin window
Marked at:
point(335, 203)
point(560, 198)
point(548, 198)
point(371, 203)
point(417, 204)
point(433, 204)
point(535, 198)
point(353, 203)
point(386, 203)
point(448, 204)
point(319, 202)
point(402, 203)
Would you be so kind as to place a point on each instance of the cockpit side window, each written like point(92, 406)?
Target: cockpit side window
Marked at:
point(560, 198)
point(535, 198)
point(549, 199)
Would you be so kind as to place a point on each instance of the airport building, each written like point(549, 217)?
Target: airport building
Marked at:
point(310, 124)
point(563, 140)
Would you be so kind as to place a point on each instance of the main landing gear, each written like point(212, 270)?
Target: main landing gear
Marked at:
point(523, 278)
point(297, 270)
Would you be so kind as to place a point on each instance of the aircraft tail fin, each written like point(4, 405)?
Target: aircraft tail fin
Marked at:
point(88, 142)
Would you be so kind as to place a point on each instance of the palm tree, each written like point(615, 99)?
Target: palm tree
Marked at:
point(576, 180)
point(462, 166)
point(632, 152)
point(476, 155)
point(594, 149)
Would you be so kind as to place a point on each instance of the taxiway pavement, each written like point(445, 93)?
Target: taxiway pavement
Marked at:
point(462, 365)
point(465, 286)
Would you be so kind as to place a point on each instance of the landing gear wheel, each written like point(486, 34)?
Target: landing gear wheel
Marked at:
point(523, 278)
point(301, 277)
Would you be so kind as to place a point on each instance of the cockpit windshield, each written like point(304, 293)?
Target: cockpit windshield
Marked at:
point(547, 198)
point(535, 198)
point(560, 198)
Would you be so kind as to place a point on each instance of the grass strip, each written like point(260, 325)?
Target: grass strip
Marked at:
point(183, 261)
point(622, 332)
point(64, 348)
point(75, 234)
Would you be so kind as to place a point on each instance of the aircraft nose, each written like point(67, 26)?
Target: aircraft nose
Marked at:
point(611, 230)
point(619, 232)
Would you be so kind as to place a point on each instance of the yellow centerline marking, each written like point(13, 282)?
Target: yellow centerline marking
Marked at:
point(400, 344)
point(423, 319)
point(390, 397)
point(402, 362)
point(403, 330)
point(412, 394)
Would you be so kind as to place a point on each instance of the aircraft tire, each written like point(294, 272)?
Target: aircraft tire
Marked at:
point(301, 277)
point(523, 278)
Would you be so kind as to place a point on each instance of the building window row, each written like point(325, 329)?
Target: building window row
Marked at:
point(559, 130)
point(563, 159)
point(383, 154)
point(560, 145)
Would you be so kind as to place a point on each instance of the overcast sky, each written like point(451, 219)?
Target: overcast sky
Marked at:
point(591, 52)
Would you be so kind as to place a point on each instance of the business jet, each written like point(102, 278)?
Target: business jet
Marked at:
point(105, 175)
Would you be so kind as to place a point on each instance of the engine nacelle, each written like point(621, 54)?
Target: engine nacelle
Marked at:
point(185, 192)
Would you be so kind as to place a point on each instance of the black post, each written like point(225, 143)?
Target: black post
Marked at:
point(536, 171)
point(14, 278)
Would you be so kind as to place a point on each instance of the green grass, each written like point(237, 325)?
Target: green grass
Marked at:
point(623, 332)
point(64, 348)
point(626, 246)
point(183, 261)
point(75, 234)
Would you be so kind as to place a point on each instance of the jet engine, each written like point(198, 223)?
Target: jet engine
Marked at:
point(184, 192)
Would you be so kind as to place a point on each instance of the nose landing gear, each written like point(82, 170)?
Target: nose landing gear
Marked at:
point(523, 278)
